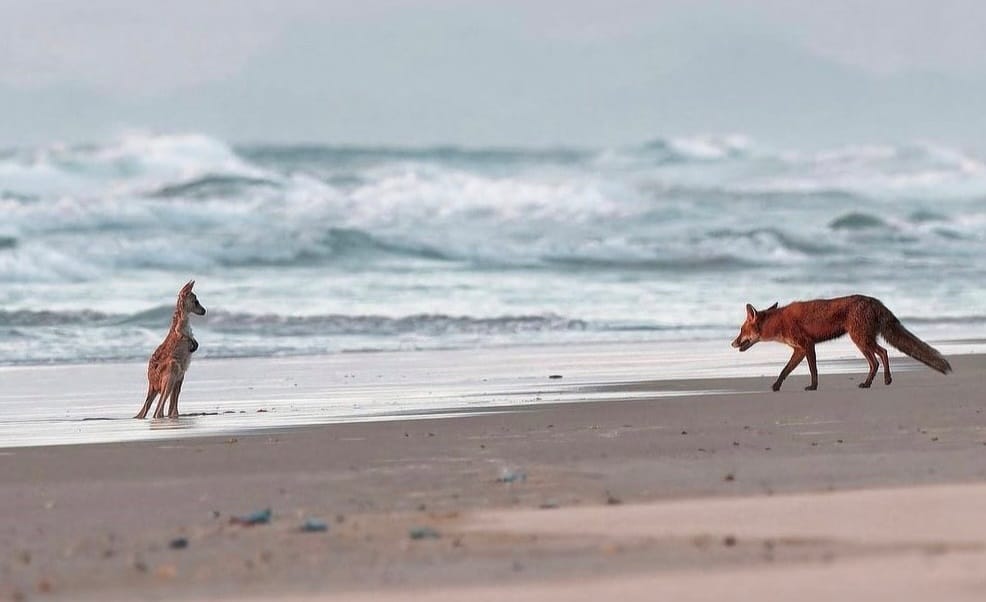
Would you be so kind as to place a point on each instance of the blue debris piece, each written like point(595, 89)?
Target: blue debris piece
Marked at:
point(423, 533)
point(260, 517)
point(314, 525)
point(510, 475)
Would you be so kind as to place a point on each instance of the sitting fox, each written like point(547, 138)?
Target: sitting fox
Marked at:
point(167, 366)
point(802, 324)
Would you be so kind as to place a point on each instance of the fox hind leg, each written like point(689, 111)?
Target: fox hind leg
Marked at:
point(871, 360)
point(868, 347)
point(887, 379)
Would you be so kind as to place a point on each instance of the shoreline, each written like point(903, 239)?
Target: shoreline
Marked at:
point(97, 520)
point(45, 405)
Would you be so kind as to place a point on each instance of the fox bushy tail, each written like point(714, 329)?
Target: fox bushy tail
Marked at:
point(905, 341)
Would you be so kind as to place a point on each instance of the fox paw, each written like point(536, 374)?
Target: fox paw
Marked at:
point(888, 381)
point(864, 385)
point(776, 387)
point(811, 387)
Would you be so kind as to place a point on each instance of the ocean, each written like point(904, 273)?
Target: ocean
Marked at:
point(301, 250)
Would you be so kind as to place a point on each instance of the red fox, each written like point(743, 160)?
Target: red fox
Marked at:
point(802, 324)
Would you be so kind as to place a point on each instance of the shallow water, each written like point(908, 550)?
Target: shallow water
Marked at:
point(54, 405)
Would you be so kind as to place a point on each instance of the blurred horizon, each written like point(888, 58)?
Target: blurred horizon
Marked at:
point(480, 74)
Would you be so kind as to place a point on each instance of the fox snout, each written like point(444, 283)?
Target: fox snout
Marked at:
point(199, 310)
point(741, 344)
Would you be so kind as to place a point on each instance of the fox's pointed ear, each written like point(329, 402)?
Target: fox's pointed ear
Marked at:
point(751, 313)
point(774, 306)
point(188, 287)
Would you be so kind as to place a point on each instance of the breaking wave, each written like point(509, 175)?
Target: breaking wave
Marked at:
point(157, 318)
point(26, 317)
point(473, 242)
point(424, 324)
point(188, 201)
point(857, 221)
point(211, 186)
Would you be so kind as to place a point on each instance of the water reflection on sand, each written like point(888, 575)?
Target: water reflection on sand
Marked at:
point(42, 405)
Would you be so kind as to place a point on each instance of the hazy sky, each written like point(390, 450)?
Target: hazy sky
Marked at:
point(494, 72)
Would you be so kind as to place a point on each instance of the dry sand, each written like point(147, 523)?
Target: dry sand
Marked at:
point(811, 495)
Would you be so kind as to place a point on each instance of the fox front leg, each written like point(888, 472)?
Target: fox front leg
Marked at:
point(810, 354)
point(796, 357)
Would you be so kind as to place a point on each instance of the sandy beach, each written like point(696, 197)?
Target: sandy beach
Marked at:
point(689, 489)
point(449, 290)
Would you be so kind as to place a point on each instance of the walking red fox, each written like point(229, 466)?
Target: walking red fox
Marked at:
point(802, 324)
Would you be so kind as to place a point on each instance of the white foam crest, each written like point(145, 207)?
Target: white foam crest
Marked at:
point(877, 171)
point(757, 247)
point(73, 239)
point(421, 192)
point(972, 225)
point(848, 155)
point(103, 216)
point(711, 147)
point(133, 162)
point(949, 156)
point(40, 263)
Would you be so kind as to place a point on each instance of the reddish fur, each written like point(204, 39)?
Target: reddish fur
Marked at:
point(803, 324)
point(169, 362)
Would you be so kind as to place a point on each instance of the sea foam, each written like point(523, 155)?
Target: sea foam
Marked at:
point(331, 248)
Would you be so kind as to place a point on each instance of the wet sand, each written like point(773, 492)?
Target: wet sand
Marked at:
point(647, 490)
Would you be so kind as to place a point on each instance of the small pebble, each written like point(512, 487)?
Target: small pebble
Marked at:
point(314, 525)
point(260, 517)
point(509, 475)
point(423, 533)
